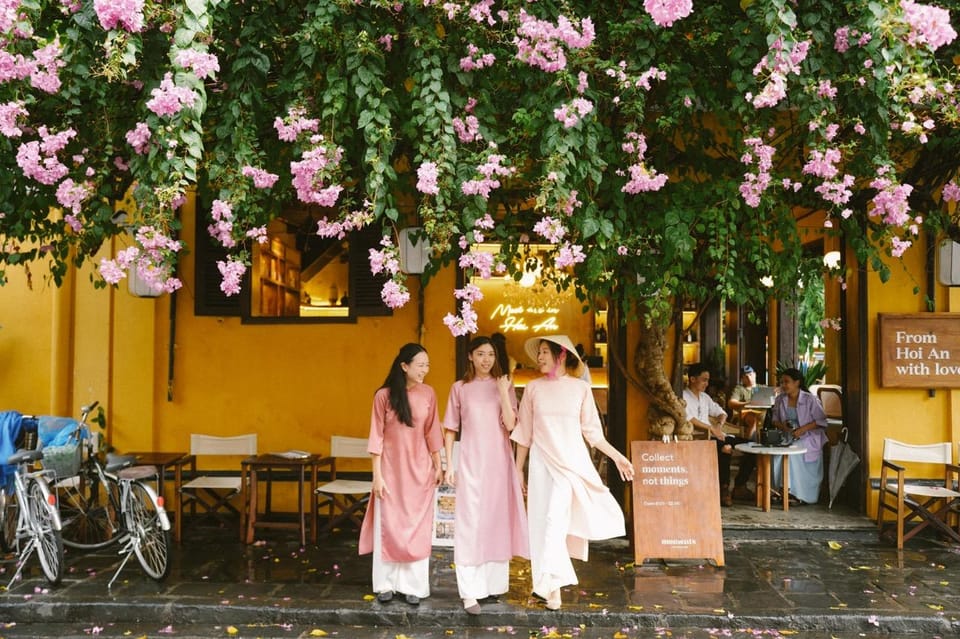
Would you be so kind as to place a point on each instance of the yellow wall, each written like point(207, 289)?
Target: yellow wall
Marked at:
point(905, 414)
point(294, 385)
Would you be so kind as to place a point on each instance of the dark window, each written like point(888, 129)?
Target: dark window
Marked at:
point(295, 277)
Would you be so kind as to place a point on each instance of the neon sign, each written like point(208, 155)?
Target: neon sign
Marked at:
point(526, 318)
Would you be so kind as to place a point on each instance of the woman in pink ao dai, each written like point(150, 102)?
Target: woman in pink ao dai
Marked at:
point(567, 503)
point(405, 443)
point(490, 524)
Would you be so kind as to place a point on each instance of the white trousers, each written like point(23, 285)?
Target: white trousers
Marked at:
point(485, 580)
point(407, 577)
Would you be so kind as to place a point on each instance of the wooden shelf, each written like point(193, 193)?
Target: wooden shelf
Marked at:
point(276, 280)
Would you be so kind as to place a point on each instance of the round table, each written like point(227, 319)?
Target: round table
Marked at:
point(764, 455)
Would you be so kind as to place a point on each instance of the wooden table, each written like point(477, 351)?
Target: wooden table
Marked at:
point(163, 461)
point(764, 456)
point(261, 468)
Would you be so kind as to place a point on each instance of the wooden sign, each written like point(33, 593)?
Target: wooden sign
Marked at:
point(676, 501)
point(920, 350)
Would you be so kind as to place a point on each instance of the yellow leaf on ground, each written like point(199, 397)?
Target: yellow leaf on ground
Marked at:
point(944, 583)
point(232, 630)
point(368, 597)
point(934, 606)
point(835, 545)
point(635, 607)
point(619, 635)
point(316, 632)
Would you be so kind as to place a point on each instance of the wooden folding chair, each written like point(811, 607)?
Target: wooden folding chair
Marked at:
point(921, 504)
point(213, 493)
point(345, 499)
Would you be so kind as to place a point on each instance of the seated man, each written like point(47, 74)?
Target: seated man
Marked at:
point(701, 410)
point(740, 396)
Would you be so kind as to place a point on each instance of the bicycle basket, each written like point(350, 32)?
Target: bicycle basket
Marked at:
point(63, 460)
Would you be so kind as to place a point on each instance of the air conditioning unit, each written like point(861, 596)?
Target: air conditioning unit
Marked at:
point(948, 267)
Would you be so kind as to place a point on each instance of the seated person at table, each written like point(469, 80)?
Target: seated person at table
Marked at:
point(740, 396)
point(798, 411)
point(701, 411)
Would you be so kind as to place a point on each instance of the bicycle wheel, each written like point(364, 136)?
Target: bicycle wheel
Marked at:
point(9, 513)
point(88, 509)
point(49, 541)
point(151, 542)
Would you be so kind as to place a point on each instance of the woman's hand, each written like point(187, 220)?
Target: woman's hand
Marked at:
point(450, 477)
point(437, 475)
point(379, 488)
point(625, 467)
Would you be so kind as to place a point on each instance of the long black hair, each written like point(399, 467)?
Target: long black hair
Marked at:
point(499, 342)
point(396, 381)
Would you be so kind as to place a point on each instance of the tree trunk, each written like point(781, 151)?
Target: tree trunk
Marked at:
point(666, 413)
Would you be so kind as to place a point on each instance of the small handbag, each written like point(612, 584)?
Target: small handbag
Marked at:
point(776, 437)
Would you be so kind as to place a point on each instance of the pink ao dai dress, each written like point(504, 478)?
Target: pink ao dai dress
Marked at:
point(490, 522)
point(398, 529)
point(567, 503)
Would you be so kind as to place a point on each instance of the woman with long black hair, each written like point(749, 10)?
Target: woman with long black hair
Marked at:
point(405, 442)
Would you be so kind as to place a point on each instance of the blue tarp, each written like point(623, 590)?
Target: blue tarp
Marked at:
point(58, 431)
point(10, 421)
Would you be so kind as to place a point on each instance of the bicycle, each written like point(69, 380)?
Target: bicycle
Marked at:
point(113, 503)
point(38, 520)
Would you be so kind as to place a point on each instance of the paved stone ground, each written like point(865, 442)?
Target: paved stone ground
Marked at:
point(805, 583)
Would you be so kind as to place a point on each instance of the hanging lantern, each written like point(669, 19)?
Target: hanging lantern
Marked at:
point(139, 287)
point(948, 271)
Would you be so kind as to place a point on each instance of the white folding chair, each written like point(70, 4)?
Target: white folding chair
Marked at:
point(345, 499)
point(922, 503)
point(213, 493)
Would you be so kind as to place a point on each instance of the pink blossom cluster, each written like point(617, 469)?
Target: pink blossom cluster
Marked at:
point(466, 321)
point(492, 167)
point(153, 258)
point(169, 99)
point(666, 12)
point(296, 122)
point(485, 222)
point(479, 261)
point(951, 191)
point(71, 195)
point(69, 7)
point(475, 59)
point(783, 63)
point(352, 221)
point(139, 137)
point(231, 270)
point(38, 159)
point(15, 67)
point(387, 260)
point(203, 64)
point(427, 178)
point(891, 203)
point(641, 178)
point(10, 113)
point(571, 114)
point(825, 89)
point(910, 127)
point(9, 14)
point(387, 42)
point(899, 246)
point(624, 81)
point(222, 227)
point(550, 228)
point(480, 12)
point(45, 73)
point(570, 203)
point(568, 255)
point(822, 163)
point(261, 179)
point(754, 184)
point(310, 173)
point(837, 191)
point(467, 129)
point(128, 14)
point(929, 25)
point(258, 234)
point(539, 42)
point(841, 38)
